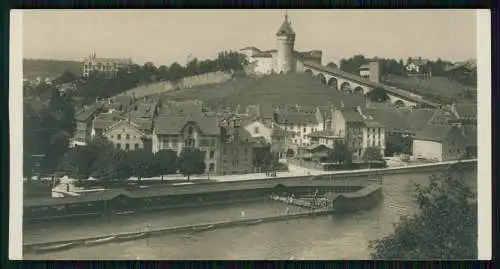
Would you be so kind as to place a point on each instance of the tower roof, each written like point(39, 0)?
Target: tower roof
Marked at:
point(286, 28)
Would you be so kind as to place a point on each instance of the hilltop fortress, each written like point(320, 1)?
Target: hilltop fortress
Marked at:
point(284, 59)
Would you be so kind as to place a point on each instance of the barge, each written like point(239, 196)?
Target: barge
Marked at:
point(124, 202)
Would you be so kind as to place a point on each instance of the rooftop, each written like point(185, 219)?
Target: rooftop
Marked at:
point(436, 133)
point(173, 125)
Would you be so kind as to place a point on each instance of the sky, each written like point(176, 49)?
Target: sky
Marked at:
point(167, 36)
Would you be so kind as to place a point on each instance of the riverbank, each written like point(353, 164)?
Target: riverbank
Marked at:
point(196, 228)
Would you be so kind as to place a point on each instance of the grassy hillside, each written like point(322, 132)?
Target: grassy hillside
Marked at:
point(33, 68)
point(294, 88)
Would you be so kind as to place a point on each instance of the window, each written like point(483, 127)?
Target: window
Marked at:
point(211, 167)
point(256, 130)
point(118, 145)
point(189, 143)
point(127, 136)
point(304, 129)
point(127, 146)
point(119, 137)
point(212, 154)
point(190, 130)
point(136, 146)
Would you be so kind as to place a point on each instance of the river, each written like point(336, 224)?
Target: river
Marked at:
point(343, 236)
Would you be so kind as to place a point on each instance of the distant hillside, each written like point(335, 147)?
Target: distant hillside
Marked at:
point(33, 68)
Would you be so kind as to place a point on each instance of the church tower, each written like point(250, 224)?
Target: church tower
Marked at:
point(285, 38)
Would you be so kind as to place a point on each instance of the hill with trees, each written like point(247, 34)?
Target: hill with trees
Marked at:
point(99, 86)
point(33, 68)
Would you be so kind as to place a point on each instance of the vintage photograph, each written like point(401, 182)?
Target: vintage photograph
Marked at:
point(249, 134)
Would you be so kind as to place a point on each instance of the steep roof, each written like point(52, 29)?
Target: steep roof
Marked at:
point(468, 109)
point(285, 29)
point(436, 133)
point(174, 124)
point(391, 118)
point(105, 120)
point(143, 124)
point(418, 118)
point(351, 115)
point(88, 112)
point(297, 118)
point(323, 134)
point(373, 124)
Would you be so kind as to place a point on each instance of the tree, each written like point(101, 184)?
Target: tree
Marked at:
point(332, 65)
point(162, 73)
point(176, 71)
point(165, 163)
point(141, 163)
point(192, 67)
point(372, 154)
point(111, 165)
point(340, 153)
point(65, 77)
point(148, 72)
point(353, 64)
point(191, 161)
point(444, 228)
point(378, 95)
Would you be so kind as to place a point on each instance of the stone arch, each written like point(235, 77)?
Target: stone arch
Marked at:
point(332, 82)
point(399, 103)
point(345, 87)
point(309, 72)
point(321, 78)
point(358, 90)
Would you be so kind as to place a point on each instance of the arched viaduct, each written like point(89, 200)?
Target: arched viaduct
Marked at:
point(352, 84)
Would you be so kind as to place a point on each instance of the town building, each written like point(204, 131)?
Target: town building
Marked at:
point(302, 124)
point(236, 147)
point(359, 131)
point(327, 138)
point(84, 120)
point(284, 58)
point(104, 120)
point(419, 67)
point(370, 71)
point(178, 132)
point(256, 128)
point(439, 143)
point(128, 135)
point(107, 66)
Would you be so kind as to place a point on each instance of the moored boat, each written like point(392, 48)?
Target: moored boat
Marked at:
point(100, 241)
point(54, 247)
point(254, 222)
point(203, 228)
point(130, 237)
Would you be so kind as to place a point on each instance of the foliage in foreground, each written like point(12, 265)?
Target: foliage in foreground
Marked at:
point(445, 227)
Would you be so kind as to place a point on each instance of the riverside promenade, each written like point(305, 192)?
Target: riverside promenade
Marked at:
point(299, 171)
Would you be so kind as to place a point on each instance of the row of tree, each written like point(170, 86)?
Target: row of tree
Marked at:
point(342, 154)
point(101, 160)
point(99, 85)
point(47, 127)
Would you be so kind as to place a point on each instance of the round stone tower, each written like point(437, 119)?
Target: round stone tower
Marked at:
point(285, 39)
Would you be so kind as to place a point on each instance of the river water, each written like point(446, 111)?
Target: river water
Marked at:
point(344, 236)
